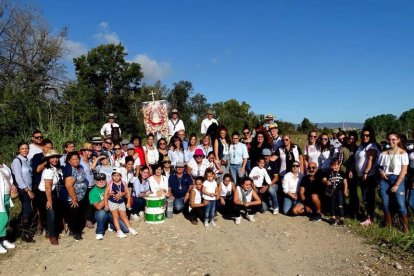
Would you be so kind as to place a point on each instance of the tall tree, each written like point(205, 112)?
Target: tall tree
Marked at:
point(407, 120)
point(383, 124)
point(113, 80)
point(306, 126)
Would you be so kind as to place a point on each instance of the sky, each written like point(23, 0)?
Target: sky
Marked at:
point(328, 61)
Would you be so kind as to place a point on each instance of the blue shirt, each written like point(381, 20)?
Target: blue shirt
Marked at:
point(238, 152)
point(22, 172)
point(179, 186)
point(140, 187)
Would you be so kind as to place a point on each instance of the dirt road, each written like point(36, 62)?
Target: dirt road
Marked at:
point(273, 245)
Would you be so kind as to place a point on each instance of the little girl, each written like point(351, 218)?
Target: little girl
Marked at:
point(215, 165)
point(261, 181)
point(226, 192)
point(210, 195)
point(116, 194)
point(196, 203)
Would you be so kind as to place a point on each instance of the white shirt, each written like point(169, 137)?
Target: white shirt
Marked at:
point(209, 187)
point(137, 162)
point(226, 191)
point(198, 170)
point(361, 159)
point(106, 129)
point(399, 160)
point(4, 185)
point(259, 175)
point(206, 123)
point(312, 152)
point(176, 156)
point(49, 174)
point(290, 184)
point(152, 155)
point(174, 126)
point(33, 149)
point(155, 186)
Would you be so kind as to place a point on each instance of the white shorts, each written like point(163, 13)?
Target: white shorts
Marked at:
point(116, 206)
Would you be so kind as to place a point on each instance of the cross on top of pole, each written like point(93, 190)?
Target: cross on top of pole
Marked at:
point(152, 95)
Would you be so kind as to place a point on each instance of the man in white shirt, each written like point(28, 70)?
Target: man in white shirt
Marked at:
point(207, 122)
point(174, 124)
point(36, 145)
point(106, 129)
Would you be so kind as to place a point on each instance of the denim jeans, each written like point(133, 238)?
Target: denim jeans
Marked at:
point(179, 204)
point(411, 199)
point(27, 210)
point(269, 198)
point(209, 210)
point(235, 172)
point(138, 204)
point(389, 197)
point(103, 218)
point(52, 214)
point(288, 203)
point(336, 204)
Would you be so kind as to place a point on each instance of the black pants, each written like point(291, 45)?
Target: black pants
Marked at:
point(53, 215)
point(197, 213)
point(89, 210)
point(251, 210)
point(76, 216)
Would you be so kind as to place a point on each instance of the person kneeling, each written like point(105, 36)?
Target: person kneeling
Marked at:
point(246, 199)
point(102, 216)
point(196, 202)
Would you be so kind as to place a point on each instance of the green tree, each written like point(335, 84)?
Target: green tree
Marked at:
point(114, 83)
point(407, 121)
point(384, 123)
point(179, 98)
point(306, 126)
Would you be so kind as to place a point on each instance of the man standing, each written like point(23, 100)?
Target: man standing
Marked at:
point(181, 135)
point(179, 187)
point(174, 124)
point(86, 154)
point(334, 140)
point(276, 139)
point(208, 122)
point(107, 128)
point(36, 145)
point(238, 156)
point(269, 119)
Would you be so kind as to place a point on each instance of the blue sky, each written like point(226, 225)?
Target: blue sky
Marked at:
point(329, 61)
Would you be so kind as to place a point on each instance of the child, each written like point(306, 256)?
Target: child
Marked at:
point(209, 195)
point(215, 165)
point(261, 179)
point(247, 199)
point(116, 194)
point(226, 192)
point(196, 204)
point(336, 189)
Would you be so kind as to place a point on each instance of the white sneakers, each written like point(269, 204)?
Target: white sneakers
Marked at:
point(99, 236)
point(132, 231)
point(237, 220)
point(206, 224)
point(141, 214)
point(212, 223)
point(135, 217)
point(276, 211)
point(6, 245)
point(120, 234)
point(250, 218)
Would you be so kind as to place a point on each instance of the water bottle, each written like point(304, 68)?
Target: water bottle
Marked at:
point(170, 207)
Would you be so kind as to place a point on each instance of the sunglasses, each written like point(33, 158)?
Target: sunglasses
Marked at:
point(312, 136)
point(295, 166)
point(311, 168)
point(38, 137)
point(324, 139)
point(246, 133)
point(365, 135)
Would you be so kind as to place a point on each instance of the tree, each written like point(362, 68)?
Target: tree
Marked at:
point(114, 82)
point(179, 98)
point(383, 124)
point(306, 126)
point(407, 121)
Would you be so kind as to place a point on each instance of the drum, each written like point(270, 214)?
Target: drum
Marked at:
point(154, 209)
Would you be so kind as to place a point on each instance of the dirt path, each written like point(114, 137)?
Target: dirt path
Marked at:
point(273, 245)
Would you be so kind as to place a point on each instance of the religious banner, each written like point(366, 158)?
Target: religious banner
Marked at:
point(156, 117)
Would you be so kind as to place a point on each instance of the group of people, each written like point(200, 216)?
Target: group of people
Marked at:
point(105, 182)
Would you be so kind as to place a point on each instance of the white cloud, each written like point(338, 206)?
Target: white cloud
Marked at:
point(105, 35)
point(74, 49)
point(153, 69)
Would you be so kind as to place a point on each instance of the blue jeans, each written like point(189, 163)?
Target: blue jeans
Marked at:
point(398, 197)
point(273, 195)
point(336, 202)
point(288, 203)
point(411, 199)
point(368, 194)
point(27, 209)
point(269, 198)
point(235, 172)
point(138, 204)
point(209, 210)
point(103, 218)
point(179, 204)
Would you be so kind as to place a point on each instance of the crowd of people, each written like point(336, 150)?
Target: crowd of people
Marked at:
point(105, 183)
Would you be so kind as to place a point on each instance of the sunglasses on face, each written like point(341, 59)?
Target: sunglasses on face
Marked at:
point(312, 136)
point(246, 133)
point(295, 166)
point(365, 135)
point(324, 139)
point(38, 137)
point(311, 168)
